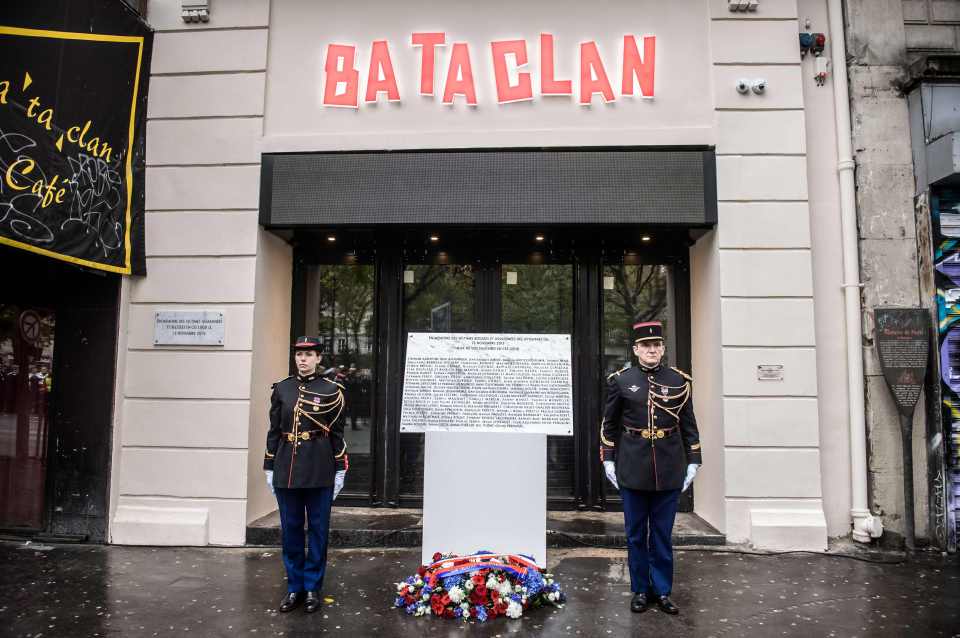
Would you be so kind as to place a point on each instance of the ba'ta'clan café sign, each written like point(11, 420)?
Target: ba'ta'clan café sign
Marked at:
point(72, 108)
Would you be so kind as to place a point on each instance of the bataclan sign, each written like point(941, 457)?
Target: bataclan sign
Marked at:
point(511, 61)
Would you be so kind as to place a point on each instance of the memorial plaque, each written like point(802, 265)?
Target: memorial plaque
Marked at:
point(487, 382)
point(770, 373)
point(903, 344)
point(188, 328)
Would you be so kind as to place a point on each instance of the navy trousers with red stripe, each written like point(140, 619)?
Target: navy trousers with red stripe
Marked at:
point(648, 521)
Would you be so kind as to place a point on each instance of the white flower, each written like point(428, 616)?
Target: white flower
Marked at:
point(421, 610)
point(425, 596)
point(492, 582)
point(465, 607)
point(552, 596)
point(469, 585)
point(514, 610)
point(456, 594)
point(410, 588)
point(505, 588)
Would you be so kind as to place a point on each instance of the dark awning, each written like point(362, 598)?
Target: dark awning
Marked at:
point(655, 187)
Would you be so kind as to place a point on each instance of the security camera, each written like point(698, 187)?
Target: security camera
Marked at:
point(759, 86)
point(743, 86)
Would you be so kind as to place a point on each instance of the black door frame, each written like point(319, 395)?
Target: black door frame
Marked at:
point(388, 250)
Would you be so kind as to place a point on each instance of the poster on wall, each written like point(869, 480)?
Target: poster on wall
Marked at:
point(72, 114)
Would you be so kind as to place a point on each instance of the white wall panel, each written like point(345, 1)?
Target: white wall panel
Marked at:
point(766, 178)
point(758, 42)
point(164, 15)
point(201, 233)
point(184, 472)
point(206, 95)
point(765, 273)
point(207, 141)
point(237, 319)
point(190, 52)
point(766, 10)
point(785, 473)
point(769, 132)
point(226, 518)
point(763, 224)
point(784, 90)
point(196, 280)
point(772, 422)
point(767, 322)
point(202, 187)
point(740, 372)
point(188, 375)
point(186, 423)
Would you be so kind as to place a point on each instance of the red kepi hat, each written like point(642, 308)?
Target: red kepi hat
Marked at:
point(308, 343)
point(647, 331)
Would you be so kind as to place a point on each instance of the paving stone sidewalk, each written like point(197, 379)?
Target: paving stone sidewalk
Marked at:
point(69, 590)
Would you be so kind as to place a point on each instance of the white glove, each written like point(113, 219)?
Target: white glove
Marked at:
point(611, 469)
point(269, 474)
point(691, 472)
point(338, 480)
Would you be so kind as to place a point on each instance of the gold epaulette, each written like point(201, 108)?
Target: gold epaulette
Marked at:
point(617, 373)
point(342, 387)
point(682, 373)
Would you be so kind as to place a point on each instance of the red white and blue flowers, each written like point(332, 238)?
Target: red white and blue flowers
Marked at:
point(480, 586)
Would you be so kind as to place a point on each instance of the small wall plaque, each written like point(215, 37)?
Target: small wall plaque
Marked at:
point(188, 328)
point(770, 373)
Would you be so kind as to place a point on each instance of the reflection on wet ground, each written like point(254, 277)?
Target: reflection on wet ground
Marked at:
point(134, 591)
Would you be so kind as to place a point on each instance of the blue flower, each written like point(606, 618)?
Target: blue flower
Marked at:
point(481, 613)
point(426, 590)
point(533, 581)
point(410, 580)
point(458, 612)
point(398, 602)
point(411, 608)
point(515, 597)
point(449, 582)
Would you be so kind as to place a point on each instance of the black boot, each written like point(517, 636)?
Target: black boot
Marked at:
point(312, 603)
point(639, 603)
point(667, 606)
point(290, 601)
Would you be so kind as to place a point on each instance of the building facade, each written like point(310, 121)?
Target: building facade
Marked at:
point(542, 167)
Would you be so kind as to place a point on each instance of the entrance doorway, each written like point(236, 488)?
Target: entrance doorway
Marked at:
point(363, 292)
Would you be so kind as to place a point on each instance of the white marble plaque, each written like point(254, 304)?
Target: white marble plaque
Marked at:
point(188, 328)
point(487, 382)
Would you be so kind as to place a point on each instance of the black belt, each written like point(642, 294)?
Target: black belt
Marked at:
point(651, 433)
point(305, 436)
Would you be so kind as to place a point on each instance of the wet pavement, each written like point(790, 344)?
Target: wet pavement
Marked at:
point(70, 590)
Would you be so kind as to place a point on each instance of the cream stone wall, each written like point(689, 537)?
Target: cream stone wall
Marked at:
point(771, 447)
point(186, 415)
point(191, 420)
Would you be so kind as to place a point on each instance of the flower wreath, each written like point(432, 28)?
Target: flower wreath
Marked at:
point(480, 586)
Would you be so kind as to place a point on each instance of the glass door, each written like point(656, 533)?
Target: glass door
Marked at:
point(538, 299)
point(338, 308)
point(26, 354)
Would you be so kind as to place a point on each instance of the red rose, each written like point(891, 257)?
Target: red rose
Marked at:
point(494, 595)
point(437, 607)
point(477, 579)
point(437, 556)
point(448, 613)
point(421, 571)
point(445, 599)
point(473, 612)
point(409, 599)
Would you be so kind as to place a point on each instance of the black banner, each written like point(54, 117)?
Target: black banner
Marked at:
point(72, 115)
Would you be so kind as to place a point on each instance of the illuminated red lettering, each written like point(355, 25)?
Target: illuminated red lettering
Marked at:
point(639, 66)
point(507, 92)
point(339, 71)
point(549, 84)
point(460, 75)
point(429, 42)
point(380, 76)
point(593, 75)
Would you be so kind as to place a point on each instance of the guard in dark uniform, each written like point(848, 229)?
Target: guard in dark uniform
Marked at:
point(306, 464)
point(650, 448)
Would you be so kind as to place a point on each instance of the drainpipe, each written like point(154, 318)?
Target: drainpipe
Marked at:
point(865, 524)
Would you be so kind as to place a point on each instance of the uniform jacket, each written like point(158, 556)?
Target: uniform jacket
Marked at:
point(305, 445)
point(649, 428)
